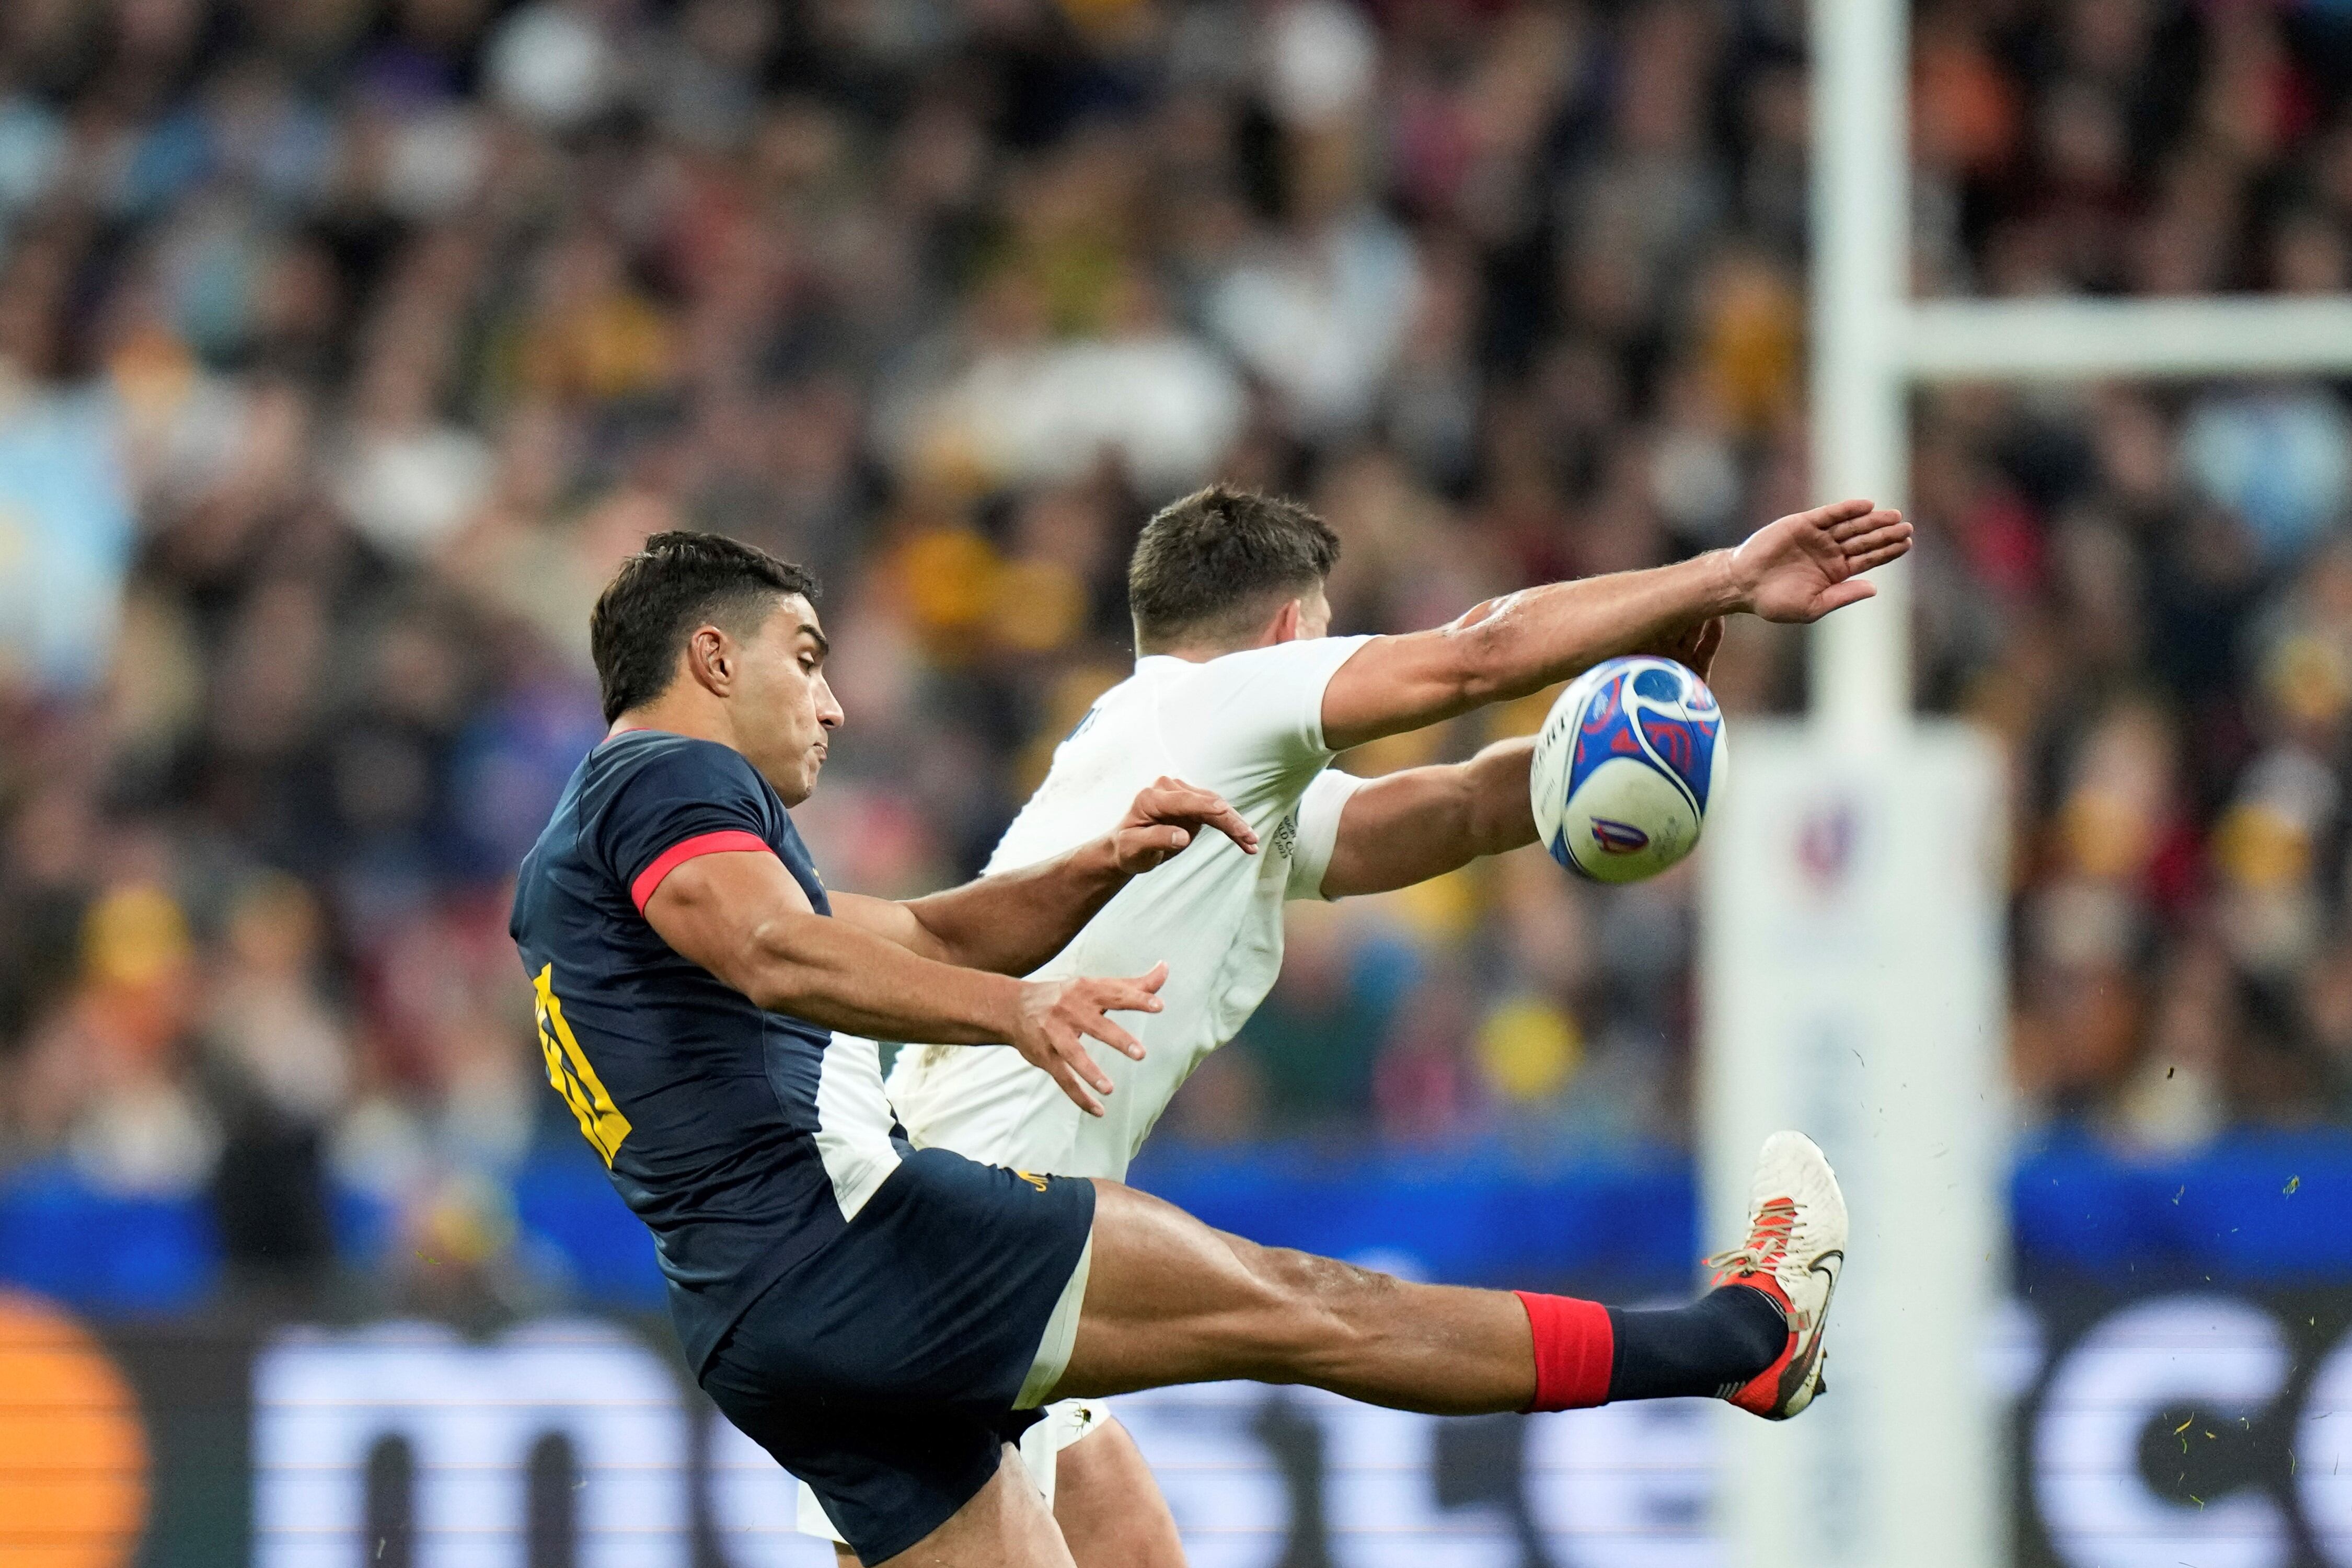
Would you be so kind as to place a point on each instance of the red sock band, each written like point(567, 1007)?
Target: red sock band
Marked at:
point(1574, 1348)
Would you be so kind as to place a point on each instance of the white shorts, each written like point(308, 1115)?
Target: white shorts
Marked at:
point(1067, 1421)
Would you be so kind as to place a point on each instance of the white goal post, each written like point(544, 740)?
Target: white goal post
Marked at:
point(1852, 976)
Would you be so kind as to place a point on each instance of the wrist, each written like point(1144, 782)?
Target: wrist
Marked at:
point(1729, 590)
point(1003, 1000)
point(1098, 864)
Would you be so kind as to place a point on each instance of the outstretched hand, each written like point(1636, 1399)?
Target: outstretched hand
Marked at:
point(1167, 815)
point(1057, 1017)
point(1811, 563)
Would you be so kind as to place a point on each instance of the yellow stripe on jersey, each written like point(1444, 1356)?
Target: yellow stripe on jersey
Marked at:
point(601, 1122)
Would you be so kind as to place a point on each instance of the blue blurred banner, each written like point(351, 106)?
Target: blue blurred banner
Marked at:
point(2258, 1208)
point(2177, 1363)
point(2266, 1209)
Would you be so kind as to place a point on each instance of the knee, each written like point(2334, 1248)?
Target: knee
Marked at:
point(1326, 1298)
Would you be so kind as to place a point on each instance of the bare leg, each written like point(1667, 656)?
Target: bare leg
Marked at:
point(1108, 1506)
point(1005, 1525)
point(1106, 1502)
point(1171, 1300)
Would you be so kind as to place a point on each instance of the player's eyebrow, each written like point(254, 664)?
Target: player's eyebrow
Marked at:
point(823, 644)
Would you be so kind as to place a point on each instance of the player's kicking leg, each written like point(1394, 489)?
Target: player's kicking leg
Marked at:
point(1169, 1300)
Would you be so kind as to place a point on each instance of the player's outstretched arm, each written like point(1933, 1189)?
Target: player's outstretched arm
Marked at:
point(742, 916)
point(1012, 922)
point(1797, 569)
point(1417, 823)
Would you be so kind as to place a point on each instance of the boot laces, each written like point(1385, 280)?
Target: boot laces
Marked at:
point(1767, 1240)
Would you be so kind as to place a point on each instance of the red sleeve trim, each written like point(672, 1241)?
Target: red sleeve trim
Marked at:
point(729, 841)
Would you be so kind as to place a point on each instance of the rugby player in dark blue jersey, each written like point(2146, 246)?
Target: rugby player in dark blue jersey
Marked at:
point(882, 1319)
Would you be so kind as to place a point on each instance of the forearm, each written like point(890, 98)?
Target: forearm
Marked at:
point(1528, 640)
point(1410, 826)
point(742, 916)
point(1012, 922)
point(1519, 644)
point(833, 974)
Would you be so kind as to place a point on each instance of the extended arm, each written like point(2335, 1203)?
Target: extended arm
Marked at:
point(1408, 827)
point(1012, 922)
point(1797, 569)
point(1418, 823)
point(742, 916)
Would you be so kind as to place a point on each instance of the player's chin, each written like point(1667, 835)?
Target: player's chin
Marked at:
point(803, 781)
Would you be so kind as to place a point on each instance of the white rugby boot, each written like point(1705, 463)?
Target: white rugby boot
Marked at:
point(1795, 1248)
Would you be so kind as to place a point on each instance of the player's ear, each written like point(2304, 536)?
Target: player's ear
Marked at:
point(710, 658)
point(1286, 622)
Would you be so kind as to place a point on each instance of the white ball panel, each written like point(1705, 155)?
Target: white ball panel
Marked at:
point(1628, 821)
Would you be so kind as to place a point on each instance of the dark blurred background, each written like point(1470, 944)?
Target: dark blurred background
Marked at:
point(345, 346)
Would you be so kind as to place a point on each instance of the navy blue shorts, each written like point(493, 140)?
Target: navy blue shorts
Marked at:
point(884, 1371)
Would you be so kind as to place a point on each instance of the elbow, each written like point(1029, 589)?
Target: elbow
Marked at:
point(1484, 659)
point(1479, 687)
point(771, 993)
point(771, 977)
point(1475, 672)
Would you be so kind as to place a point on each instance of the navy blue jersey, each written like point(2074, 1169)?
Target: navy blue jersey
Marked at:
point(703, 1106)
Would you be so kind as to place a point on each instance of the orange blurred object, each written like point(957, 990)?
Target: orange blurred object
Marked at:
point(73, 1449)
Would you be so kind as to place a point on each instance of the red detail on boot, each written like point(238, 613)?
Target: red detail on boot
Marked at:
point(1575, 1347)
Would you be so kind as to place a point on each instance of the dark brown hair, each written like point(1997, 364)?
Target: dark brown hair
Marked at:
point(1213, 565)
point(679, 581)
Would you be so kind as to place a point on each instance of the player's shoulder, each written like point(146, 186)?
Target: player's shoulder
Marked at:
point(1259, 697)
point(659, 758)
point(1300, 659)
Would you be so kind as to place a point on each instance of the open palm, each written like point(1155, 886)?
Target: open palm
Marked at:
point(1808, 564)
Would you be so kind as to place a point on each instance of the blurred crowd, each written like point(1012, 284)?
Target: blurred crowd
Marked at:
point(346, 345)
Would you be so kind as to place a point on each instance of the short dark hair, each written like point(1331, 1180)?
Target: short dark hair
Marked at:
point(1209, 564)
point(678, 581)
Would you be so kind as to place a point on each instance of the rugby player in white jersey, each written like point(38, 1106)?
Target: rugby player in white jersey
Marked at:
point(1238, 690)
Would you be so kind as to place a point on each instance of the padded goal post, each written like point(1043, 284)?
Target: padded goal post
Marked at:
point(1853, 900)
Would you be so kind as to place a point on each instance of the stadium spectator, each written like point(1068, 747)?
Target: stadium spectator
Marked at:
point(344, 347)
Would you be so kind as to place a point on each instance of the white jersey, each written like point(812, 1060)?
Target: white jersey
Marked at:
point(1248, 725)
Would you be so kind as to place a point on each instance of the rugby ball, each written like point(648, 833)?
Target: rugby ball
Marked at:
point(1624, 766)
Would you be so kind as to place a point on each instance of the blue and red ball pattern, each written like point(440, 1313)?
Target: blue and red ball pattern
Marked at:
point(1679, 745)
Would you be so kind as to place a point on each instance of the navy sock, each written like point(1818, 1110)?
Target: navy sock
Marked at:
point(1723, 1339)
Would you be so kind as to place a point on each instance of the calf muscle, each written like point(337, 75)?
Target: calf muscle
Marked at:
point(1170, 1301)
